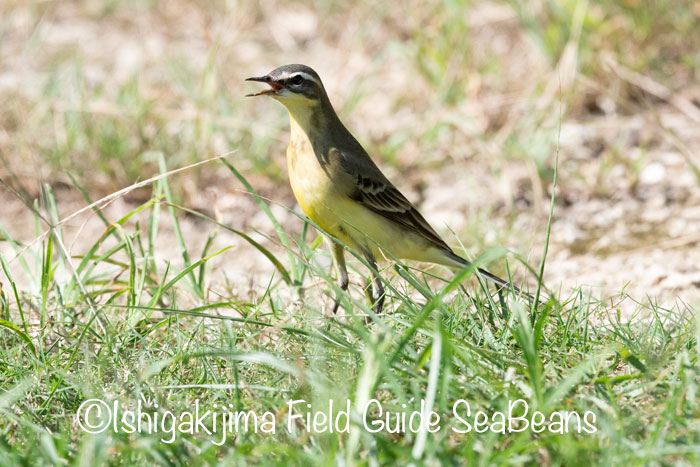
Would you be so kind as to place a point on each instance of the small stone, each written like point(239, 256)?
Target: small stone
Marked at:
point(652, 174)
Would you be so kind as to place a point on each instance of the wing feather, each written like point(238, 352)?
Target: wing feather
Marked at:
point(374, 191)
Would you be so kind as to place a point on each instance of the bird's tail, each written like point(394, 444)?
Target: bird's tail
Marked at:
point(458, 261)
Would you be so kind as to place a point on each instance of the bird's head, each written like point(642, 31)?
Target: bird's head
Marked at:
point(295, 86)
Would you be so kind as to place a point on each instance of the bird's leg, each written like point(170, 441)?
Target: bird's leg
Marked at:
point(341, 270)
point(377, 288)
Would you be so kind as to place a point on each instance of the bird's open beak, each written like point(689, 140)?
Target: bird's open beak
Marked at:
point(274, 86)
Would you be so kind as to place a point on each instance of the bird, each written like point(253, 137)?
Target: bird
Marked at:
point(341, 189)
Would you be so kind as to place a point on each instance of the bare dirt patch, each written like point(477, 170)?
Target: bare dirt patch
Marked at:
point(98, 91)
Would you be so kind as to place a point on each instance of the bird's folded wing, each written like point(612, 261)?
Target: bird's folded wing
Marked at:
point(374, 191)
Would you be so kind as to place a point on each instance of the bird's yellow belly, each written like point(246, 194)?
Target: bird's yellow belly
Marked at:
point(317, 201)
point(312, 188)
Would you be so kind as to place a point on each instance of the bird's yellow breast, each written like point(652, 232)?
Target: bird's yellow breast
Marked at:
point(312, 186)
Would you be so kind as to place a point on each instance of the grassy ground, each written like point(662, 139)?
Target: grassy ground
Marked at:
point(205, 288)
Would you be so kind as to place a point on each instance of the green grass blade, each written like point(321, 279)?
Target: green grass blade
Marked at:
point(176, 226)
point(14, 328)
point(278, 228)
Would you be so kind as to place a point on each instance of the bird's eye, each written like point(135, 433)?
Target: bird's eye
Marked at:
point(296, 80)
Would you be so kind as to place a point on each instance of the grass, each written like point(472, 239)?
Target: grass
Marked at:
point(160, 337)
point(139, 310)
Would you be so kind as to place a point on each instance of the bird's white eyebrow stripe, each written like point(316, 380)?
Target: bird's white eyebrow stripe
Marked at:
point(303, 75)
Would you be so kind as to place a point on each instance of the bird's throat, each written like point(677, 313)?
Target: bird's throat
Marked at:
point(299, 127)
point(305, 121)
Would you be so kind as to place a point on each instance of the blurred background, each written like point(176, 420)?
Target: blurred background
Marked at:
point(467, 97)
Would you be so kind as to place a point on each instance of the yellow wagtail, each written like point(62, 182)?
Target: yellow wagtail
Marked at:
point(341, 189)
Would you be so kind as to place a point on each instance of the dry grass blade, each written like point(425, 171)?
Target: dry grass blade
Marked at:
point(117, 194)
